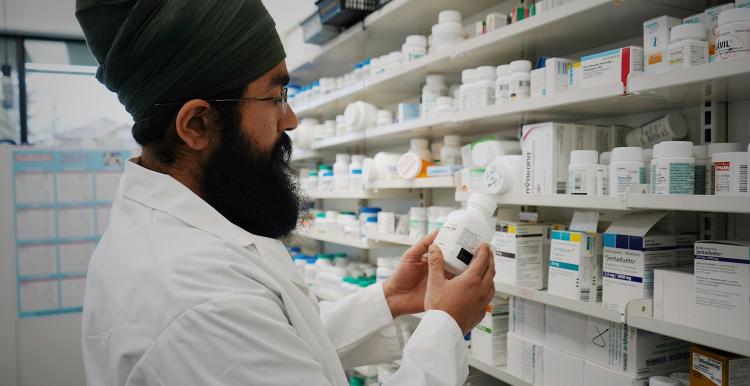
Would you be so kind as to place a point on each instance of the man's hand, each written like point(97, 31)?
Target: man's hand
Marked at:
point(405, 290)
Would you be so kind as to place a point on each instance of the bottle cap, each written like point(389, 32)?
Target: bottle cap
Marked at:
point(483, 201)
point(419, 143)
point(627, 153)
point(449, 16)
point(583, 157)
point(502, 70)
point(662, 381)
point(676, 149)
point(694, 31)
point(734, 15)
point(435, 79)
point(520, 66)
point(468, 75)
point(700, 152)
point(486, 73)
point(416, 40)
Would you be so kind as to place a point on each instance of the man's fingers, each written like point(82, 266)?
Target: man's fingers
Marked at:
point(480, 264)
point(435, 264)
point(420, 248)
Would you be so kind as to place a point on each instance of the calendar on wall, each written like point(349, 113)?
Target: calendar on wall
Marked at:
point(61, 205)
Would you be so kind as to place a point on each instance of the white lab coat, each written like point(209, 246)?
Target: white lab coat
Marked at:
point(178, 295)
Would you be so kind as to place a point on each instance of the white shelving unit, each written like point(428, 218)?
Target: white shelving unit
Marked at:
point(391, 238)
point(419, 183)
point(370, 194)
point(555, 200)
point(500, 373)
point(337, 239)
point(304, 155)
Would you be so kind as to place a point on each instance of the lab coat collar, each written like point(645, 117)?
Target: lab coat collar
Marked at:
point(162, 192)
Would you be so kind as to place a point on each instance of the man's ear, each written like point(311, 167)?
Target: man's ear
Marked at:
point(194, 124)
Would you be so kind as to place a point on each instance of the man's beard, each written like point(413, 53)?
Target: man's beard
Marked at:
point(254, 190)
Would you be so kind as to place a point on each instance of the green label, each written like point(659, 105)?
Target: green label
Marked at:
point(484, 329)
point(681, 178)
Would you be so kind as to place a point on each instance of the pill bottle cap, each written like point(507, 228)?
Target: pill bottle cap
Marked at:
point(676, 149)
point(449, 16)
point(419, 143)
point(647, 155)
point(734, 15)
point(484, 202)
point(486, 73)
point(418, 211)
point(520, 66)
point(582, 157)
point(416, 40)
point(468, 75)
point(452, 140)
point(604, 157)
point(628, 153)
point(435, 79)
point(502, 70)
point(694, 31)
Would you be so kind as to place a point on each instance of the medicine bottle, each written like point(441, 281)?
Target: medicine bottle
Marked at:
point(715, 148)
point(503, 175)
point(311, 183)
point(450, 154)
point(414, 163)
point(700, 155)
point(582, 172)
point(434, 87)
point(360, 116)
point(730, 173)
point(414, 47)
point(520, 80)
point(502, 84)
point(341, 172)
point(484, 88)
point(325, 178)
point(733, 40)
point(675, 168)
point(486, 150)
point(625, 169)
point(356, 182)
point(687, 46)
point(417, 222)
point(468, 76)
point(668, 128)
point(464, 230)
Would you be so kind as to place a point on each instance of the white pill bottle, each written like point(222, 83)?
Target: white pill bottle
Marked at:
point(464, 230)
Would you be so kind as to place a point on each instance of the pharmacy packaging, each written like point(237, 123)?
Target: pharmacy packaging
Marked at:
point(672, 296)
point(464, 230)
point(711, 367)
point(538, 79)
point(495, 21)
point(597, 375)
point(489, 342)
point(585, 177)
point(519, 251)
point(486, 149)
point(561, 369)
point(687, 46)
point(616, 66)
point(525, 359)
point(565, 331)
point(730, 173)
point(656, 42)
point(634, 245)
point(407, 112)
point(557, 75)
point(674, 169)
point(733, 40)
point(527, 319)
point(667, 128)
point(633, 351)
point(722, 287)
point(572, 265)
point(686, 232)
point(711, 22)
point(625, 169)
point(715, 148)
point(694, 19)
point(414, 47)
point(576, 73)
point(504, 175)
point(472, 180)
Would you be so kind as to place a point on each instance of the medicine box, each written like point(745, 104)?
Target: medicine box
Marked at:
point(709, 367)
point(616, 66)
point(565, 331)
point(711, 22)
point(697, 18)
point(519, 254)
point(672, 296)
point(597, 375)
point(572, 266)
point(526, 319)
point(722, 287)
point(495, 21)
point(633, 247)
point(489, 340)
point(557, 75)
point(525, 359)
point(561, 369)
point(656, 43)
point(633, 351)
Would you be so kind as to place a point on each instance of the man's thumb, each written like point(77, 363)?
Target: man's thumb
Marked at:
point(435, 273)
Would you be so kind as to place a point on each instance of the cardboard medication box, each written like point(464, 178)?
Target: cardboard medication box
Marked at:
point(519, 254)
point(561, 369)
point(633, 247)
point(525, 359)
point(597, 375)
point(573, 265)
point(722, 287)
point(616, 66)
point(489, 338)
point(557, 75)
point(565, 331)
point(632, 351)
point(526, 319)
point(656, 43)
point(710, 367)
point(673, 300)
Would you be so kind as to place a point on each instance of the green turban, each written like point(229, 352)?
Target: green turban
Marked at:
point(152, 51)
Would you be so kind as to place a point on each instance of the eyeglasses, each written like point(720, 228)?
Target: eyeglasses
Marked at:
point(280, 100)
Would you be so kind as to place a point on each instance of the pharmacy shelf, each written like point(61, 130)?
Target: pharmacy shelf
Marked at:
point(419, 183)
point(689, 203)
point(544, 297)
point(348, 139)
point(337, 239)
point(500, 373)
point(555, 200)
point(391, 238)
point(304, 155)
point(370, 194)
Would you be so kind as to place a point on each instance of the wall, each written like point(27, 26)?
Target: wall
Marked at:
point(46, 17)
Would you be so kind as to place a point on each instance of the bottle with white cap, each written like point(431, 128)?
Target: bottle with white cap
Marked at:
point(520, 80)
point(434, 87)
point(341, 172)
point(625, 169)
point(414, 163)
point(660, 380)
point(668, 128)
point(714, 148)
point(414, 47)
point(468, 76)
point(700, 154)
point(450, 154)
point(682, 378)
point(464, 230)
point(356, 182)
point(417, 222)
point(582, 172)
point(675, 168)
point(502, 84)
point(687, 46)
point(484, 89)
point(503, 175)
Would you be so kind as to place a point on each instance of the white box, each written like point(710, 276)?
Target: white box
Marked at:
point(633, 248)
point(495, 21)
point(519, 254)
point(698, 18)
point(525, 359)
point(633, 351)
point(576, 72)
point(596, 375)
point(616, 66)
point(711, 22)
point(656, 43)
point(489, 340)
point(538, 82)
point(673, 300)
point(722, 287)
point(526, 319)
point(572, 266)
point(565, 331)
point(685, 252)
point(561, 369)
point(557, 75)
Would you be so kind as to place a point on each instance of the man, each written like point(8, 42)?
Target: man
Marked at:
point(189, 285)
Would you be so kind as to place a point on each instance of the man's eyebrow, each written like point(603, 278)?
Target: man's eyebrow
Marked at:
point(279, 80)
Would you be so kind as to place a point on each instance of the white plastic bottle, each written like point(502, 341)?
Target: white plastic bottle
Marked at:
point(464, 230)
point(715, 148)
point(659, 380)
point(468, 77)
point(733, 40)
point(668, 128)
point(484, 89)
point(687, 46)
point(417, 222)
point(450, 154)
point(414, 47)
point(520, 80)
point(341, 172)
point(502, 84)
point(582, 172)
point(434, 87)
point(356, 182)
point(675, 168)
point(414, 162)
point(625, 169)
point(503, 175)
point(325, 178)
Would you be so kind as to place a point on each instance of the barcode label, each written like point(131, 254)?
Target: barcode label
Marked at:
point(584, 294)
point(578, 182)
point(743, 178)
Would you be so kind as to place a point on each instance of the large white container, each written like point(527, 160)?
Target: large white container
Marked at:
point(674, 171)
point(502, 84)
point(668, 128)
point(687, 46)
point(625, 169)
point(583, 171)
point(433, 89)
point(464, 230)
point(733, 40)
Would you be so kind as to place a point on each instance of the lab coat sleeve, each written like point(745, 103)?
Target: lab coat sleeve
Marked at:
point(238, 340)
point(362, 329)
point(436, 354)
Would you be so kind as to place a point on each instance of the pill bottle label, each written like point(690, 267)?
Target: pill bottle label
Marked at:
point(623, 177)
point(733, 42)
point(730, 178)
point(683, 55)
point(457, 241)
point(502, 93)
point(520, 90)
point(417, 228)
point(674, 178)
